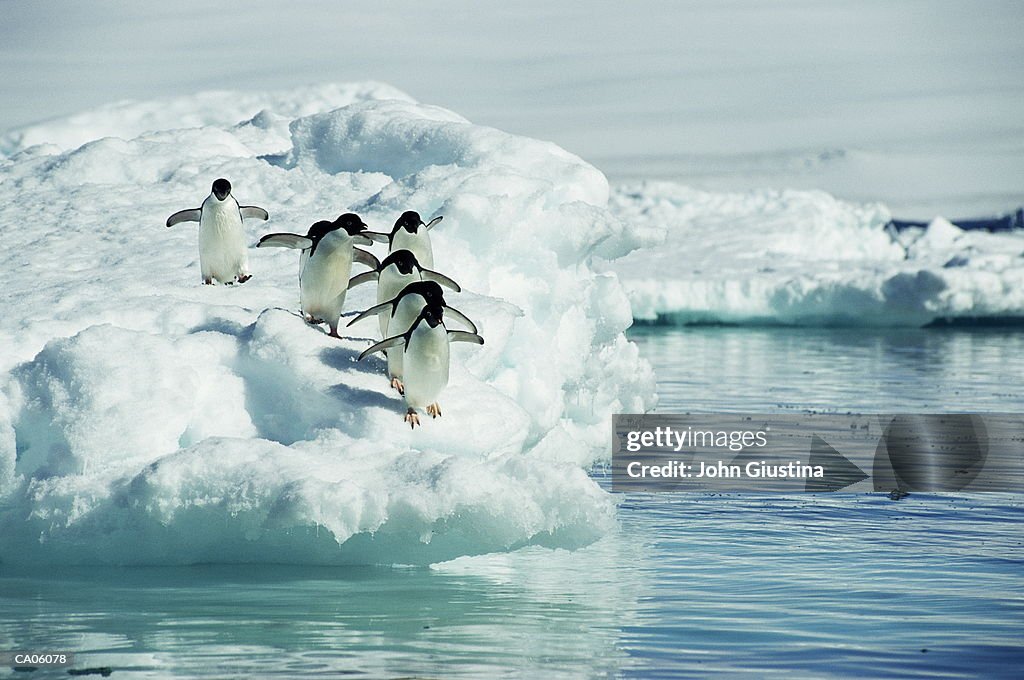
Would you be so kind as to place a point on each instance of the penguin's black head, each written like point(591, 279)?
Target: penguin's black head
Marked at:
point(221, 189)
point(431, 291)
point(320, 229)
point(433, 315)
point(404, 260)
point(350, 222)
point(410, 221)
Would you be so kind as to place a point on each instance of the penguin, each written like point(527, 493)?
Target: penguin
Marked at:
point(222, 251)
point(328, 251)
point(425, 346)
point(402, 311)
point(410, 233)
point(396, 271)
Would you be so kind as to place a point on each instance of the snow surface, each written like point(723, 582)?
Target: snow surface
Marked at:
point(804, 257)
point(147, 419)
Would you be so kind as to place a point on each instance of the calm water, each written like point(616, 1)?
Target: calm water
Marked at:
point(818, 586)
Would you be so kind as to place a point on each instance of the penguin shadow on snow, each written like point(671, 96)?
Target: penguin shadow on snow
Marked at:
point(343, 359)
point(283, 407)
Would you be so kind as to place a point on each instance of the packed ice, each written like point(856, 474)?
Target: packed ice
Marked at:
point(806, 258)
point(148, 419)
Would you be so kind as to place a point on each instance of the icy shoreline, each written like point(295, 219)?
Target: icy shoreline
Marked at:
point(806, 258)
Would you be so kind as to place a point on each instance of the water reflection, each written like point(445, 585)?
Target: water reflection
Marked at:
point(904, 370)
point(550, 611)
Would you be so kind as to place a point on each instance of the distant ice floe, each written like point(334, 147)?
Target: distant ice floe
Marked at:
point(806, 258)
point(146, 419)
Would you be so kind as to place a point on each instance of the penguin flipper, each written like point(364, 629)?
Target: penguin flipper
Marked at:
point(365, 277)
point(363, 257)
point(387, 343)
point(460, 317)
point(376, 236)
point(437, 277)
point(376, 309)
point(285, 241)
point(429, 225)
point(463, 336)
point(190, 215)
point(254, 211)
point(362, 239)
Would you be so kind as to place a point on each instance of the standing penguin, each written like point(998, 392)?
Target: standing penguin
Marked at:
point(425, 346)
point(410, 233)
point(396, 271)
point(328, 251)
point(401, 312)
point(222, 252)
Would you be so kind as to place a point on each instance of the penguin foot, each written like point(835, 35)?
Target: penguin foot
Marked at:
point(334, 333)
point(412, 418)
point(207, 282)
point(434, 410)
point(244, 277)
point(312, 320)
point(397, 384)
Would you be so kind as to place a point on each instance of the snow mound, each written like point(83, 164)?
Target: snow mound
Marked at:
point(806, 258)
point(146, 419)
point(224, 108)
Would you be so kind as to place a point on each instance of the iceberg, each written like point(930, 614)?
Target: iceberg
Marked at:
point(146, 419)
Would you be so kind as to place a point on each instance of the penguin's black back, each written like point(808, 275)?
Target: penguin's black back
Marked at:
point(405, 260)
point(351, 223)
point(410, 221)
point(317, 232)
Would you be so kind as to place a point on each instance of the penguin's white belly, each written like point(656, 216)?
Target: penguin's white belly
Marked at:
point(390, 284)
point(324, 280)
point(409, 308)
point(222, 253)
point(426, 365)
point(418, 244)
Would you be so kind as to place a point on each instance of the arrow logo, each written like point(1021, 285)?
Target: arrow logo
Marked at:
point(839, 471)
